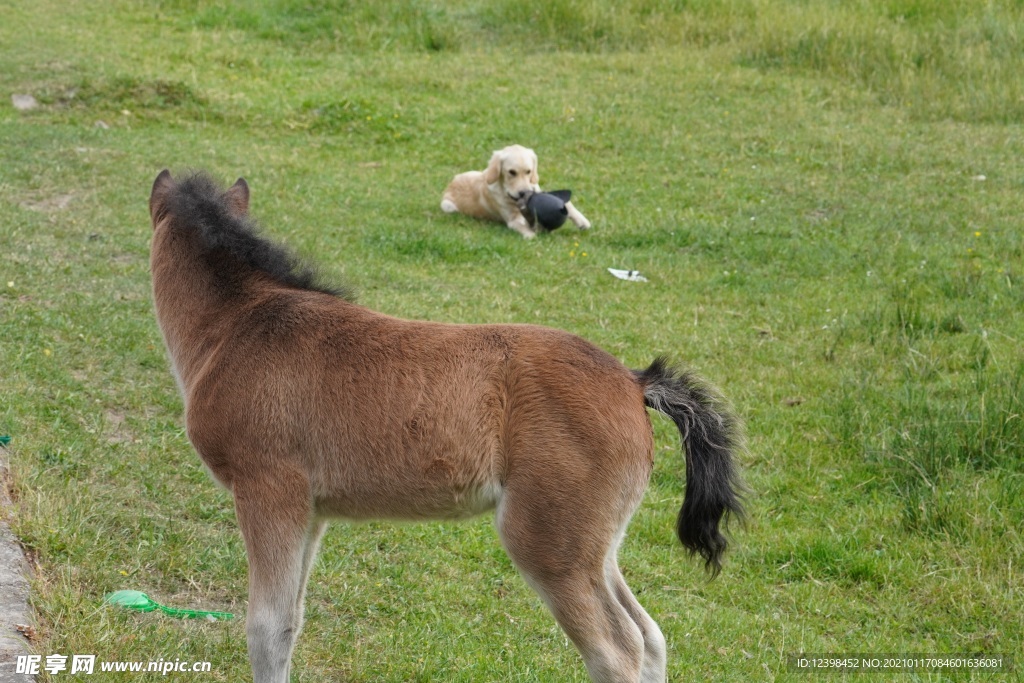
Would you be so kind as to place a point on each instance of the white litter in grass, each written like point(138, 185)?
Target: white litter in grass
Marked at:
point(631, 275)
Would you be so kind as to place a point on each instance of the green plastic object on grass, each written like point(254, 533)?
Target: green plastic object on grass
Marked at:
point(4, 440)
point(141, 602)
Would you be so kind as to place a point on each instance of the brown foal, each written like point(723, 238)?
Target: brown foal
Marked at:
point(307, 406)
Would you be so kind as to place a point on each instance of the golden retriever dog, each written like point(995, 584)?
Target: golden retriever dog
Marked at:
point(499, 192)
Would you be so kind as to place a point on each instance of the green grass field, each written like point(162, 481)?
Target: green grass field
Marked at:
point(825, 197)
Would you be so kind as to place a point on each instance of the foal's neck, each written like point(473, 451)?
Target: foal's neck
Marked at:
point(192, 309)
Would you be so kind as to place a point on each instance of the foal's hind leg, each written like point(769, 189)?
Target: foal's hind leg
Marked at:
point(275, 518)
point(562, 547)
point(655, 650)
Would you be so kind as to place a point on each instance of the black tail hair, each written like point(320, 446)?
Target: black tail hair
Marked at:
point(711, 438)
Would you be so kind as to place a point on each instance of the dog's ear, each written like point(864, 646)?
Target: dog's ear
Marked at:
point(493, 171)
point(534, 175)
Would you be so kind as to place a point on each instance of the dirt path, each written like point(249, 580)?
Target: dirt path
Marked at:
point(14, 610)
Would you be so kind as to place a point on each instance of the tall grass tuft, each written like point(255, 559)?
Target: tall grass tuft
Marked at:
point(389, 25)
point(952, 455)
point(981, 428)
point(955, 59)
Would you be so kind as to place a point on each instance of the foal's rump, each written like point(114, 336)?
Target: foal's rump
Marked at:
point(459, 410)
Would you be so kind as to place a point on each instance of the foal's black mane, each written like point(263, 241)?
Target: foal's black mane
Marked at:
point(197, 202)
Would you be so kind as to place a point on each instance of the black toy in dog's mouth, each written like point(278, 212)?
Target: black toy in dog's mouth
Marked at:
point(547, 209)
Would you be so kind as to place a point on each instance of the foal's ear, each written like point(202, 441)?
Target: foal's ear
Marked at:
point(493, 170)
point(237, 198)
point(158, 195)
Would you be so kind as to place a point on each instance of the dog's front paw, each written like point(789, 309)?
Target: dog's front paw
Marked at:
point(520, 225)
point(527, 233)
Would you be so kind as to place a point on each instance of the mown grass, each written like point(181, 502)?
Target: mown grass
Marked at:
point(825, 197)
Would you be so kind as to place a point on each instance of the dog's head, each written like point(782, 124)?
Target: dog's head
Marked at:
point(515, 167)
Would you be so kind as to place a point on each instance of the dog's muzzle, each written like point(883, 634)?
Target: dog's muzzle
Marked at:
point(521, 197)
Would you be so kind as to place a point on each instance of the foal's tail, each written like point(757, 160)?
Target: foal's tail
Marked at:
point(711, 438)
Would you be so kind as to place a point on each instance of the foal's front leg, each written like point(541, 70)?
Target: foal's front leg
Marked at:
point(311, 545)
point(275, 519)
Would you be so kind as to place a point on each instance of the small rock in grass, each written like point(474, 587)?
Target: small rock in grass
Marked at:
point(24, 102)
